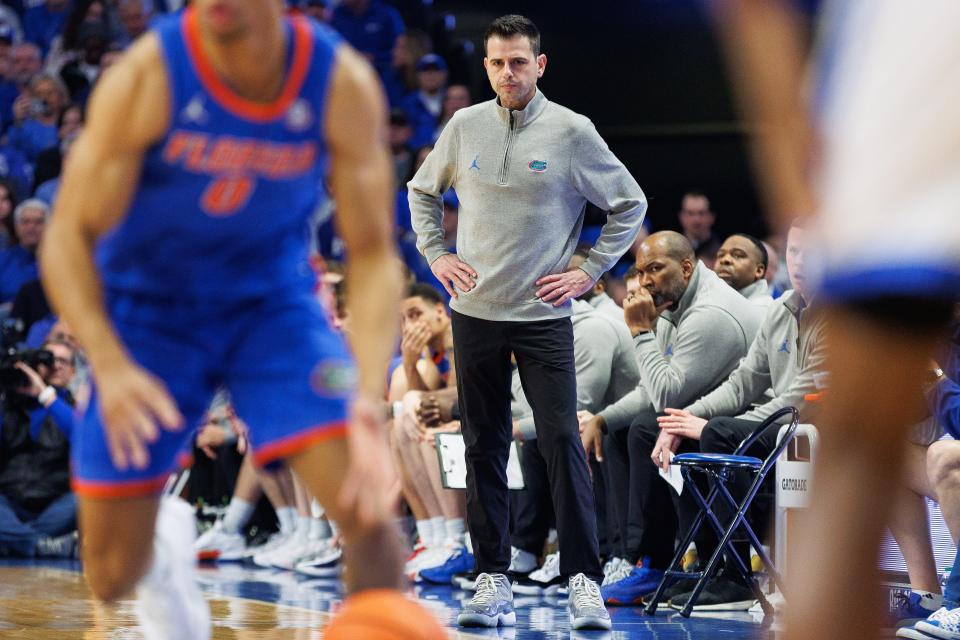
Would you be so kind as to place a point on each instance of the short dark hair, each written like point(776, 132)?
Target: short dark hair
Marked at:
point(512, 25)
point(764, 257)
point(424, 291)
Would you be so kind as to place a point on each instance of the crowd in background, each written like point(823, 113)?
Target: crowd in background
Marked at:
point(743, 340)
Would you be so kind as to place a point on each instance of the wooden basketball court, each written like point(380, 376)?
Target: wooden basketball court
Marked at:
point(49, 600)
point(42, 603)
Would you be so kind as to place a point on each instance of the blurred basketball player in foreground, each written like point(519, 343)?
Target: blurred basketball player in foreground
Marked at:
point(179, 255)
point(887, 176)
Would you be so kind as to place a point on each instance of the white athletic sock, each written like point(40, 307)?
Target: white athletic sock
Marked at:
point(454, 529)
point(320, 529)
point(437, 532)
point(304, 524)
point(238, 515)
point(929, 601)
point(316, 510)
point(423, 530)
point(288, 519)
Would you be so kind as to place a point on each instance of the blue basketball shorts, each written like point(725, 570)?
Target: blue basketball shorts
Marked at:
point(290, 376)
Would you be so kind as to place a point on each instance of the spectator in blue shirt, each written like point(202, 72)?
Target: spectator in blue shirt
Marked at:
point(15, 167)
point(44, 22)
point(134, 16)
point(24, 63)
point(424, 106)
point(372, 27)
point(36, 115)
point(18, 264)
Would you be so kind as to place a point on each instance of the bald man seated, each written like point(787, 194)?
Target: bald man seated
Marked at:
point(690, 329)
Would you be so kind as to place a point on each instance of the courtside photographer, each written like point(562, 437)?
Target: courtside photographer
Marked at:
point(37, 508)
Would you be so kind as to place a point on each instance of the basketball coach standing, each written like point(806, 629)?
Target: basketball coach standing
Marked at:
point(523, 168)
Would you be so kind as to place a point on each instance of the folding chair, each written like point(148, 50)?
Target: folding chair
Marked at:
point(720, 468)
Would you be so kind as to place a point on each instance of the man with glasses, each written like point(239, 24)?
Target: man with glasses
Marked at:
point(37, 510)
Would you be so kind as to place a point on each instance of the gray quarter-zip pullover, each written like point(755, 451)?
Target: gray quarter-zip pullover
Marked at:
point(523, 178)
point(787, 351)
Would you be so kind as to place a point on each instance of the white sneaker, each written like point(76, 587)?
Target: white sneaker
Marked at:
point(169, 603)
point(290, 556)
point(275, 540)
point(942, 623)
point(586, 605)
point(545, 581)
point(217, 544)
point(615, 570)
point(324, 564)
point(265, 557)
point(521, 562)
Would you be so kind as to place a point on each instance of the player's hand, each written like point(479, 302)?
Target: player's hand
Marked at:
point(429, 435)
point(560, 287)
point(413, 340)
point(433, 411)
point(666, 444)
point(370, 475)
point(682, 423)
point(210, 437)
point(591, 436)
point(639, 311)
point(408, 422)
point(133, 403)
point(454, 274)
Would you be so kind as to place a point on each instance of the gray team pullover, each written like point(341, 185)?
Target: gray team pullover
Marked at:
point(523, 179)
point(696, 347)
point(786, 353)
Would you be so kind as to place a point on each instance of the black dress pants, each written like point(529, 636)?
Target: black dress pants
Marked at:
point(533, 505)
point(644, 502)
point(544, 354)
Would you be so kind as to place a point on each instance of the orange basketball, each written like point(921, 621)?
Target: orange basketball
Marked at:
point(383, 614)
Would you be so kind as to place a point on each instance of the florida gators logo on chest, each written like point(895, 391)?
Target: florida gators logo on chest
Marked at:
point(234, 164)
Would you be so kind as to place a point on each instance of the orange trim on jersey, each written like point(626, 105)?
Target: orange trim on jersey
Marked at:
point(122, 489)
point(296, 443)
point(258, 112)
point(185, 461)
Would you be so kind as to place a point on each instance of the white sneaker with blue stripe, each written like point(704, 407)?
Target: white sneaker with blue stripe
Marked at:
point(943, 623)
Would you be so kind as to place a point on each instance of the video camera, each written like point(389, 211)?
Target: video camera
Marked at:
point(11, 334)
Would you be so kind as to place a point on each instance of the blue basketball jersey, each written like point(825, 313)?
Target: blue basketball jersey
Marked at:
point(221, 209)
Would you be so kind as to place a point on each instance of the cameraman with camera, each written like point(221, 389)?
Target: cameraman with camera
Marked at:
point(37, 509)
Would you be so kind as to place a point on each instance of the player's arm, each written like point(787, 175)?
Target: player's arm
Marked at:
point(361, 181)
point(766, 47)
point(126, 115)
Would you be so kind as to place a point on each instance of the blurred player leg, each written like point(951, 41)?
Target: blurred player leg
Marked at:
point(373, 554)
point(874, 392)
